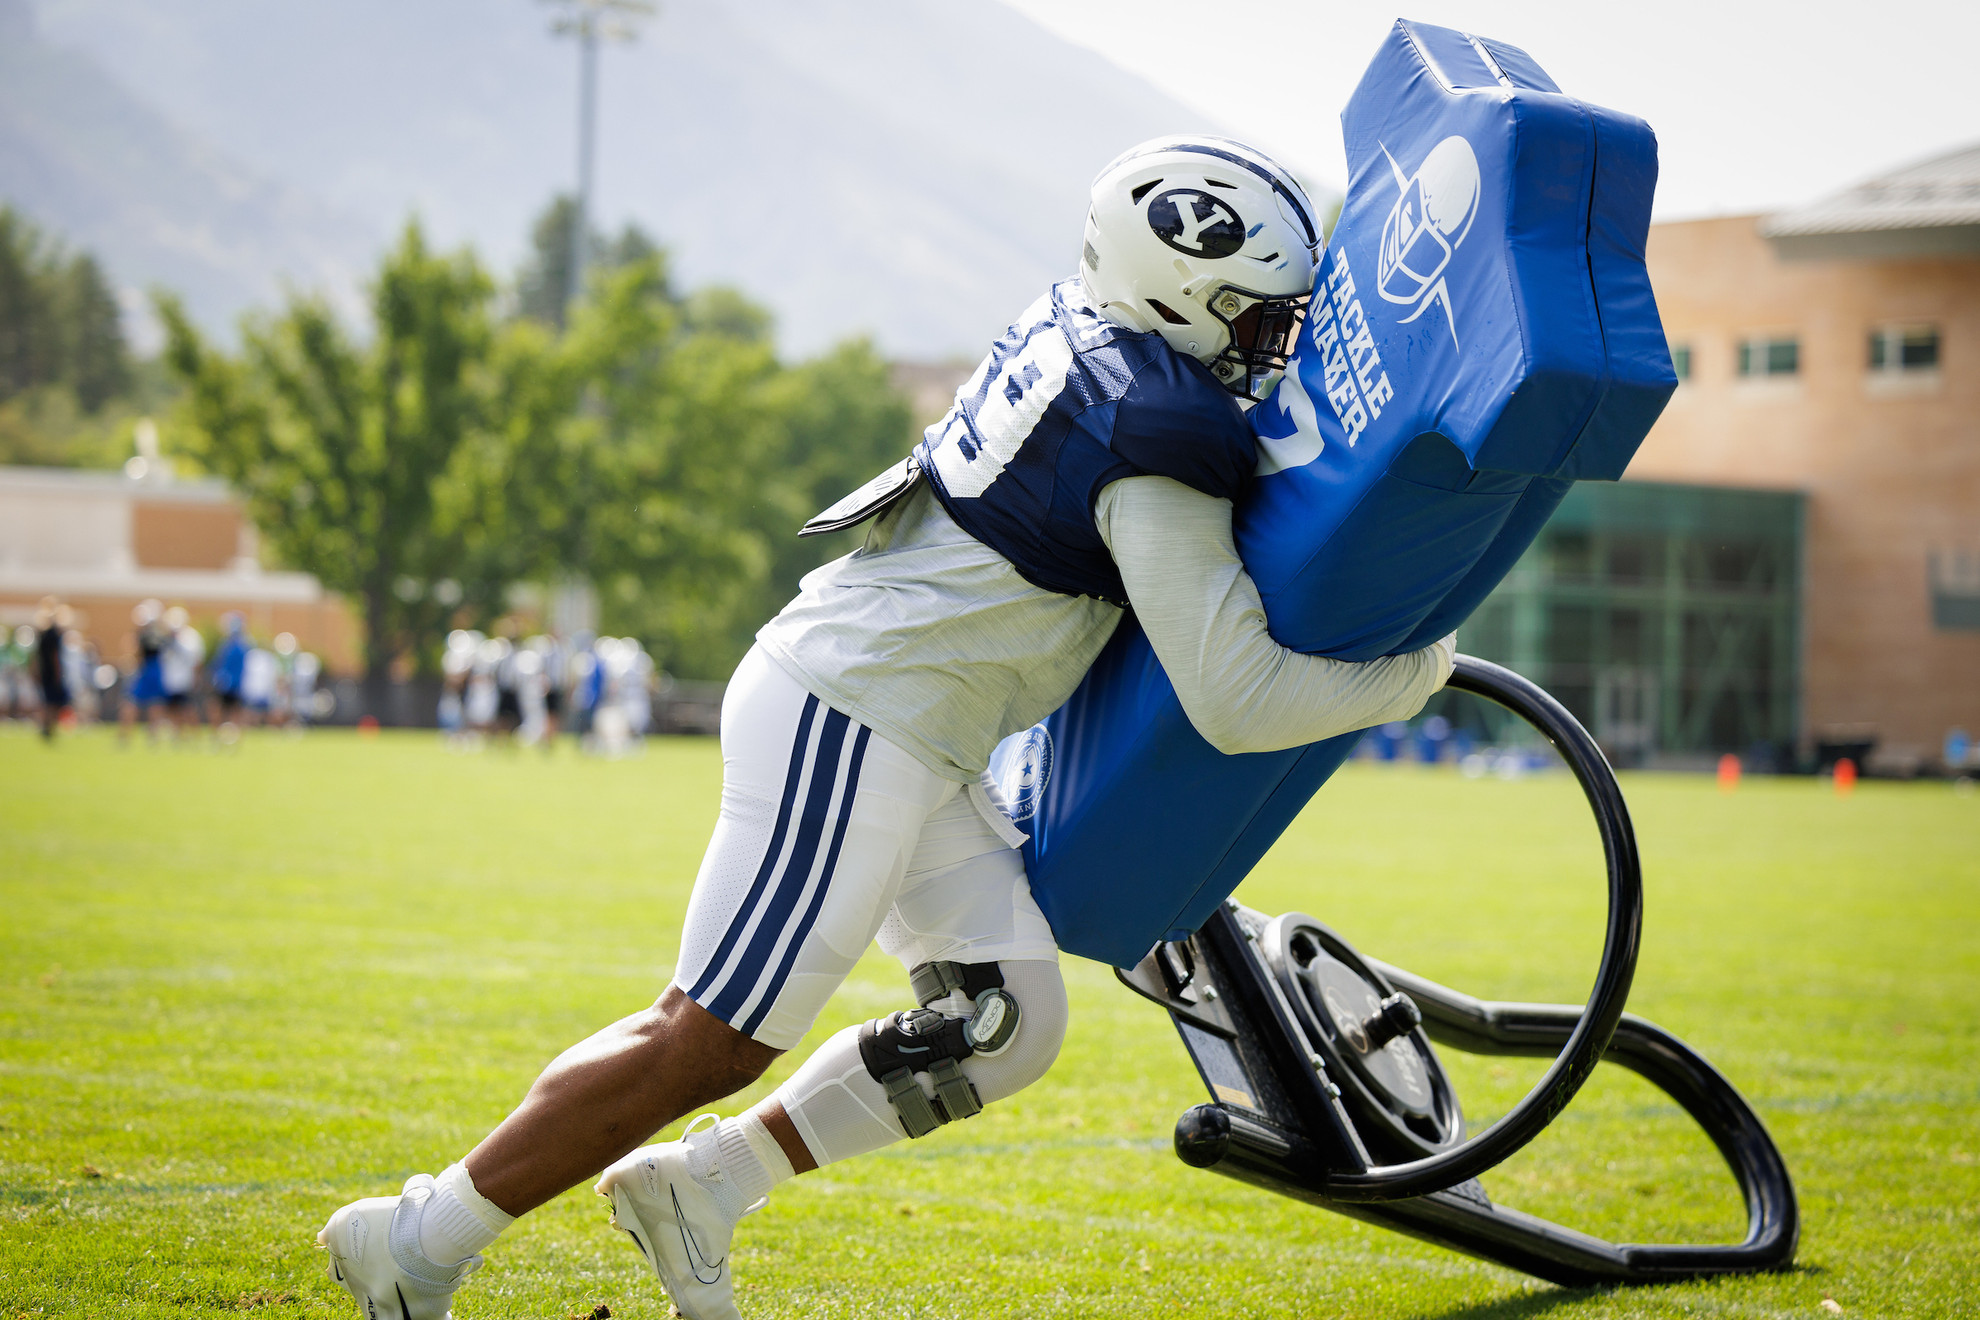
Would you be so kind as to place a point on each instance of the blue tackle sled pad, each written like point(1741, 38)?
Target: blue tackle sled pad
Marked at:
point(1482, 334)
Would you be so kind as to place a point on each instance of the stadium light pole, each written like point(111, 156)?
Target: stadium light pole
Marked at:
point(588, 21)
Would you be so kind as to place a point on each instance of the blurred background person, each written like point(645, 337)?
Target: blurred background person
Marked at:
point(581, 677)
point(261, 678)
point(178, 669)
point(225, 675)
point(550, 648)
point(642, 677)
point(17, 697)
point(530, 680)
point(623, 676)
point(78, 667)
point(281, 709)
point(508, 685)
point(456, 668)
point(144, 698)
point(304, 670)
point(51, 622)
point(106, 686)
point(483, 698)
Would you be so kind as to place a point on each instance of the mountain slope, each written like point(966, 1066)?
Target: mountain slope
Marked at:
point(911, 168)
point(87, 160)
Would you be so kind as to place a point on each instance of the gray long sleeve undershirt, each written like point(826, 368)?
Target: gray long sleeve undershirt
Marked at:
point(1241, 689)
point(931, 638)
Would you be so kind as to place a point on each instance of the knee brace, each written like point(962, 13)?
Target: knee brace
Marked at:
point(928, 1040)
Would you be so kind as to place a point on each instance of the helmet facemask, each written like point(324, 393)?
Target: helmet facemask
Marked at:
point(1262, 328)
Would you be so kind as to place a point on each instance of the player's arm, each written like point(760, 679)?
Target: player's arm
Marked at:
point(1242, 690)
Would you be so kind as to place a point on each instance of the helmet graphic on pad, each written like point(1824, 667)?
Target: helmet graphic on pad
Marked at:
point(1210, 244)
point(1433, 212)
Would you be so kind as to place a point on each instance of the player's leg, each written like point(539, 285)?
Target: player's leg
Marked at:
point(791, 888)
point(406, 1254)
point(767, 943)
point(818, 818)
point(966, 906)
point(607, 1094)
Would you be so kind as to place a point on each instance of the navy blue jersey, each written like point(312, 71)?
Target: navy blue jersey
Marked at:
point(1066, 403)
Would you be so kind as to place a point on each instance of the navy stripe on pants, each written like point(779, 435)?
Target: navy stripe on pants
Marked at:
point(789, 885)
point(792, 778)
point(783, 972)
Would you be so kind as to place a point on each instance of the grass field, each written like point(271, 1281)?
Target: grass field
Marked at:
point(242, 989)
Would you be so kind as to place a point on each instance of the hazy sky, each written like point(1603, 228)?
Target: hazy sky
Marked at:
point(1757, 106)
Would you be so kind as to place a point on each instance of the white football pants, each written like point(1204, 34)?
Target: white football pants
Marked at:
point(829, 837)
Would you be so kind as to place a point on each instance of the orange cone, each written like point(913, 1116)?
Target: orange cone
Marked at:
point(1728, 773)
point(1845, 777)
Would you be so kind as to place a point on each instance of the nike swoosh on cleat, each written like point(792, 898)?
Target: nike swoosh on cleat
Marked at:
point(402, 1301)
point(693, 1248)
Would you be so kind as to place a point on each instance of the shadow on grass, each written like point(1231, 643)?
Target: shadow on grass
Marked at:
point(1537, 1304)
point(1517, 1308)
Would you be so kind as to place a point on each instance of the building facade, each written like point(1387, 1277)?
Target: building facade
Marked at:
point(1793, 559)
point(104, 541)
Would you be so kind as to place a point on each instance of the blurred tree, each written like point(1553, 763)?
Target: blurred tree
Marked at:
point(633, 446)
point(720, 310)
point(95, 362)
point(27, 344)
point(660, 450)
point(756, 449)
point(344, 450)
point(543, 285)
point(846, 422)
point(655, 448)
point(63, 359)
point(59, 321)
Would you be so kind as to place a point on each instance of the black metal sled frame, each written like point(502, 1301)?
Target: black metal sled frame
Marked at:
point(1280, 1119)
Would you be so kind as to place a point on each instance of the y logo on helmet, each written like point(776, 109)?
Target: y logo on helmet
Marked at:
point(1425, 226)
point(1195, 223)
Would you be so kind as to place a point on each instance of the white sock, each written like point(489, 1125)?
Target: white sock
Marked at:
point(459, 1221)
point(740, 1163)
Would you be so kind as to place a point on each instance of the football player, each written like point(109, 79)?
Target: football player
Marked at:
point(225, 677)
point(1090, 462)
point(147, 688)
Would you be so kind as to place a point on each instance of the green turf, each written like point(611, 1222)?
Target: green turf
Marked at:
point(242, 989)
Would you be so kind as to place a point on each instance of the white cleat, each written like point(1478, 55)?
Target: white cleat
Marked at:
point(374, 1253)
point(675, 1222)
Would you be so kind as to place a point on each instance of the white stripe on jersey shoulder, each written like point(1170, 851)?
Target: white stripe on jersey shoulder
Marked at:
point(1088, 327)
point(1028, 324)
point(1025, 386)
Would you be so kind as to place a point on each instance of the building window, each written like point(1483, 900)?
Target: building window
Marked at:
point(1681, 360)
point(1954, 578)
point(1769, 357)
point(1904, 348)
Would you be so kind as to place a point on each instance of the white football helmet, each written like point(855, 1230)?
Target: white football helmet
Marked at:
point(1210, 244)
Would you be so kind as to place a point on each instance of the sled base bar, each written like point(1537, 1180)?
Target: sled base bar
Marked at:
point(1462, 1218)
point(1773, 1215)
point(1275, 1125)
